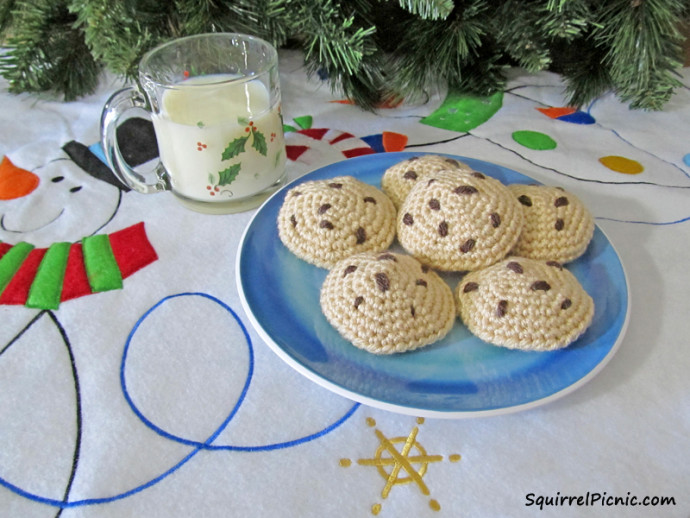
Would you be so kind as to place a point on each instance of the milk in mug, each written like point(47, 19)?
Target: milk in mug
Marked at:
point(220, 140)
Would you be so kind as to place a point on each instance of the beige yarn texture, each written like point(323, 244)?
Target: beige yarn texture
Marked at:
point(557, 224)
point(523, 303)
point(398, 179)
point(324, 221)
point(387, 302)
point(459, 221)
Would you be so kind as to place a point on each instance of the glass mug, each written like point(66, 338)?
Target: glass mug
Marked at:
point(214, 100)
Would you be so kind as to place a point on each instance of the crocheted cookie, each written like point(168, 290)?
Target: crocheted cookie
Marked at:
point(523, 303)
point(458, 221)
point(398, 179)
point(387, 302)
point(557, 224)
point(324, 221)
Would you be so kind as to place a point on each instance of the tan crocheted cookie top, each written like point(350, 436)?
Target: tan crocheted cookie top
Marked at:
point(324, 221)
point(557, 224)
point(459, 221)
point(387, 302)
point(523, 303)
point(398, 179)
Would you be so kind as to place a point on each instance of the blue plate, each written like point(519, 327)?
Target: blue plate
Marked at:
point(459, 376)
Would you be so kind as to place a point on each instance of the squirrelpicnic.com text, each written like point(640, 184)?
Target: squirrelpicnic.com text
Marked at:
point(592, 499)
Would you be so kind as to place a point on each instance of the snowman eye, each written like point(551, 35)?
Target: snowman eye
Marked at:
point(57, 179)
point(75, 189)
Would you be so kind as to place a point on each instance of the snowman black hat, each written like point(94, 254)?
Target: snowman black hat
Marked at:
point(137, 141)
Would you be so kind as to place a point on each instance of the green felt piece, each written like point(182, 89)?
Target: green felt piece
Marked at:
point(12, 261)
point(101, 268)
point(534, 140)
point(304, 121)
point(46, 289)
point(461, 112)
point(289, 129)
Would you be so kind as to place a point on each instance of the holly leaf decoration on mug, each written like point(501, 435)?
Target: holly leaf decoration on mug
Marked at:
point(238, 146)
point(259, 142)
point(227, 176)
point(234, 148)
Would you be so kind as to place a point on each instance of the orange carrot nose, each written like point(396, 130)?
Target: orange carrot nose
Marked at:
point(15, 182)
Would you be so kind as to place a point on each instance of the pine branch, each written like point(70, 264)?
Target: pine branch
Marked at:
point(199, 16)
point(643, 49)
point(566, 20)
point(267, 19)
point(458, 52)
point(118, 33)
point(6, 8)
point(339, 44)
point(428, 9)
point(332, 38)
point(521, 38)
point(368, 49)
point(580, 67)
point(46, 53)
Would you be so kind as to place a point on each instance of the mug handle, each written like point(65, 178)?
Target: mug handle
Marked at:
point(118, 104)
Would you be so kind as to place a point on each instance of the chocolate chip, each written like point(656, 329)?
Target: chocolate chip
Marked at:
point(555, 264)
point(335, 185)
point(467, 246)
point(495, 220)
point(425, 268)
point(382, 281)
point(470, 286)
point(408, 219)
point(566, 304)
point(501, 308)
point(540, 286)
point(296, 193)
point(453, 162)
point(430, 181)
point(412, 310)
point(361, 235)
point(351, 268)
point(370, 199)
point(515, 266)
point(293, 220)
point(525, 200)
point(324, 223)
point(358, 301)
point(421, 282)
point(413, 159)
point(324, 208)
point(387, 257)
point(443, 229)
point(561, 202)
point(479, 175)
point(559, 224)
point(434, 204)
point(410, 175)
point(465, 189)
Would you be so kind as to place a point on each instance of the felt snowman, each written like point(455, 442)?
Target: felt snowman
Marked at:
point(51, 214)
point(66, 360)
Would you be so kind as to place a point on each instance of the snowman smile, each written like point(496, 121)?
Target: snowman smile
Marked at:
point(39, 226)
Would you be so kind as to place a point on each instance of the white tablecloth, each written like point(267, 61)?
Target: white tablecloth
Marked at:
point(118, 403)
